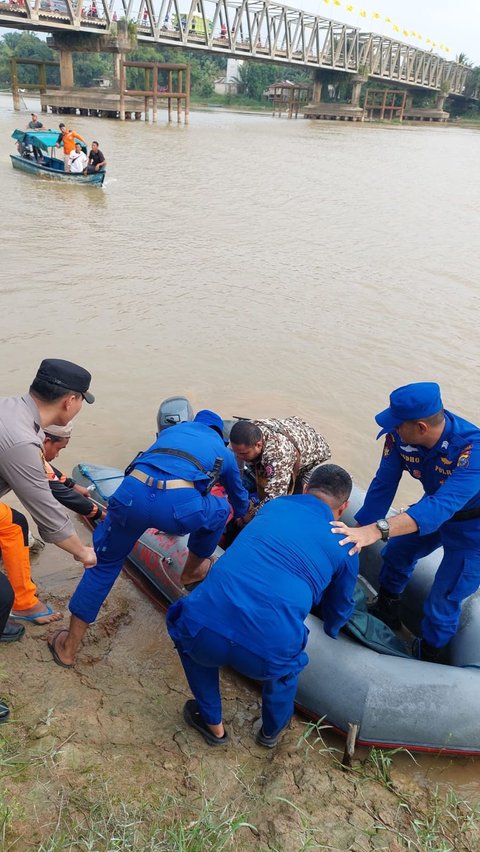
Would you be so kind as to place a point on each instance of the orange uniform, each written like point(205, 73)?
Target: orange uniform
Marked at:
point(16, 557)
point(68, 141)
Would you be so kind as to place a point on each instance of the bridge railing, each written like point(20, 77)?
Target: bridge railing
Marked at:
point(261, 29)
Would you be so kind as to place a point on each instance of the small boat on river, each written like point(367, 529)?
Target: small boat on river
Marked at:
point(46, 164)
point(395, 700)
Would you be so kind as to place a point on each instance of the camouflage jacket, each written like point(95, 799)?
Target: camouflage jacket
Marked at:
point(290, 448)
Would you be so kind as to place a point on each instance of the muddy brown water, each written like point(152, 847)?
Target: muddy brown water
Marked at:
point(259, 266)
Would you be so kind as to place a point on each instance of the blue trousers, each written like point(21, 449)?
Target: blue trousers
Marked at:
point(134, 508)
point(202, 655)
point(457, 577)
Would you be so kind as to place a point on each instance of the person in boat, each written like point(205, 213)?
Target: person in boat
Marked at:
point(68, 492)
point(167, 487)
point(249, 612)
point(441, 451)
point(280, 453)
point(34, 123)
point(66, 140)
point(56, 394)
point(77, 161)
point(96, 160)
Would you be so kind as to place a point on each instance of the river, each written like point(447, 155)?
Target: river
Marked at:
point(260, 266)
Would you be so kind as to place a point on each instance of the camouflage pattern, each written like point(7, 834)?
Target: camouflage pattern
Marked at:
point(291, 448)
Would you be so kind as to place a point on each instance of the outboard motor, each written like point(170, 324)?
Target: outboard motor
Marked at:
point(175, 409)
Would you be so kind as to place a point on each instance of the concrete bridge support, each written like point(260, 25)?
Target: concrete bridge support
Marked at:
point(332, 109)
point(66, 69)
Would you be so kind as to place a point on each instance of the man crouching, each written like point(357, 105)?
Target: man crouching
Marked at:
point(249, 612)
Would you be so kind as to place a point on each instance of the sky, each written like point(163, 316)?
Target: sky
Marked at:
point(452, 24)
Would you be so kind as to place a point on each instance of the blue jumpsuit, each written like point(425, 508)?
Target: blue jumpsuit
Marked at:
point(450, 475)
point(249, 612)
point(136, 506)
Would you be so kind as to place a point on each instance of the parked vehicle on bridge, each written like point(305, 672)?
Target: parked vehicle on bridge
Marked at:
point(33, 158)
point(395, 700)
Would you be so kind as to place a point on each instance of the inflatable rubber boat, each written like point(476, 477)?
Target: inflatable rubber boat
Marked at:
point(394, 700)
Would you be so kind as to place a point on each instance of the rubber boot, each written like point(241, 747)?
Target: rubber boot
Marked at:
point(386, 607)
point(422, 650)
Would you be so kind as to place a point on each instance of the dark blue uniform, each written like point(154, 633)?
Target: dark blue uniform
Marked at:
point(249, 612)
point(445, 515)
point(137, 506)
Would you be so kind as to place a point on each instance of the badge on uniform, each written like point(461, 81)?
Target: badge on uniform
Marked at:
point(464, 457)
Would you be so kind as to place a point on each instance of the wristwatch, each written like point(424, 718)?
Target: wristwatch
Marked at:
point(384, 528)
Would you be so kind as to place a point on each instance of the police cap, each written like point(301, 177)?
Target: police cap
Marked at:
point(410, 402)
point(66, 375)
point(209, 418)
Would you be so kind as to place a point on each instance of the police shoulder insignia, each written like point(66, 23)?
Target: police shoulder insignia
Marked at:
point(269, 470)
point(416, 473)
point(464, 456)
point(389, 443)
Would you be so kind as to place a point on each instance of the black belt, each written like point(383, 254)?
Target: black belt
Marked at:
point(466, 515)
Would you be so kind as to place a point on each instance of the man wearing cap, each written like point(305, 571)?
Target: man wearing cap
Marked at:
point(442, 451)
point(166, 487)
point(71, 495)
point(55, 396)
point(34, 123)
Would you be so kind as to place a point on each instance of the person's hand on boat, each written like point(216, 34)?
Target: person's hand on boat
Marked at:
point(247, 517)
point(82, 490)
point(358, 536)
point(87, 557)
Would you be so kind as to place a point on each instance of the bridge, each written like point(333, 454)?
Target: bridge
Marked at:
point(246, 29)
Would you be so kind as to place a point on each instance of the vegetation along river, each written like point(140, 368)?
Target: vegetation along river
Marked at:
point(260, 266)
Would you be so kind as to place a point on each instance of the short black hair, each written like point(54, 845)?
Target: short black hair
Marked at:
point(331, 480)
point(94, 142)
point(48, 392)
point(245, 432)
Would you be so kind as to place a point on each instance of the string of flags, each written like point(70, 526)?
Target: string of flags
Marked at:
point(428, 43)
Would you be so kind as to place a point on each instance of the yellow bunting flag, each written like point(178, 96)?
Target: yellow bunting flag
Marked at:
point(396, 28)
point(388, 20)
point(363, 13)
point(349, 8)
point(326, 1)
point(337, 3)
point(406, 33)
point(375, 14)
point(429, 40)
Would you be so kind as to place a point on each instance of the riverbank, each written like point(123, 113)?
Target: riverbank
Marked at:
point(99, 757)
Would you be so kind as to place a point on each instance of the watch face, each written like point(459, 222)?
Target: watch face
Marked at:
point(383, 526)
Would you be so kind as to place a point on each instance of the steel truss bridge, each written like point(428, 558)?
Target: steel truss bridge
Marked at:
point(246, 29)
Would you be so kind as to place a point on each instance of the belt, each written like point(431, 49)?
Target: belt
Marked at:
point(161, 483)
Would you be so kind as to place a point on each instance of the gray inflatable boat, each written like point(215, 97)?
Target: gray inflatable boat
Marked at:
point(395, 701)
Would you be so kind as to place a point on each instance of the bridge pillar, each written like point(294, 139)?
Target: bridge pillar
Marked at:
point(357, 84)
point(440, 101)
point(66, 69)
point(317, 91)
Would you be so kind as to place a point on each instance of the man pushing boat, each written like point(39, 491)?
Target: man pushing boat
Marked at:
point(442, 451)
point(167, 487)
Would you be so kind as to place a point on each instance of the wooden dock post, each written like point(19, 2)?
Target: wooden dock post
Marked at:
point(122, 88)
point(155, 92)
point(15, 92)
point(179, 100)
point(350, 745)
point(187, 95)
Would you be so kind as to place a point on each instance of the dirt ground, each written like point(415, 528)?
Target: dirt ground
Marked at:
point(99, 757)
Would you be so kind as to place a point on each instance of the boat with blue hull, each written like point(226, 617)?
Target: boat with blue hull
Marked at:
point(33, 158)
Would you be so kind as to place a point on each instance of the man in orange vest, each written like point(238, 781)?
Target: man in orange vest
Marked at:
point(67, 139)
